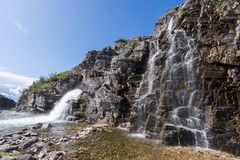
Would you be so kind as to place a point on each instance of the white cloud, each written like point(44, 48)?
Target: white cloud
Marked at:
point(20, 27)
point(12, 85)
point(5, 95)
point(17, 91)
point(8, 78)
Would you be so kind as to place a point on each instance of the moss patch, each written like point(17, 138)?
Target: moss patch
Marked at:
point(182, 12)
point(15, 154)
point(83, 105)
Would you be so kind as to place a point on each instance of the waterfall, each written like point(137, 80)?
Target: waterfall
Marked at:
point(151, 74)
point(177, 85)
point(58, 113)
point(61, 108)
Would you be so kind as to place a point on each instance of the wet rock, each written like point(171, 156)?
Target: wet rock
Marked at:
point(37, 126)
point(46, 126)
point(71, 118)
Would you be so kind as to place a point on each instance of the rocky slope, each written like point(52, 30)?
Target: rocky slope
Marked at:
point(6, 103)
point(180, 85)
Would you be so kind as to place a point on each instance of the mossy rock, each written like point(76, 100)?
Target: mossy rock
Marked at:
point(15, 154)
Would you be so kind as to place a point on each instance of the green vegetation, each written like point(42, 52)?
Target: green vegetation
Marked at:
point(47, 82)
point(83, 105)
point(182, 12)
point(218, 8)
point(238, 20)
point(15, 154)
point(131, 44)
point(231, 31)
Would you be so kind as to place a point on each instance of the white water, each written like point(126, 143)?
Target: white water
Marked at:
point(151, 64)
point(193, 123)
point(56, 115)
point(191, 118)
point(150, 79)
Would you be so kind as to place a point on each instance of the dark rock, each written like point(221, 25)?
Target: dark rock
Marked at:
point(29, 143)
point(37, 126)
point(6, 103)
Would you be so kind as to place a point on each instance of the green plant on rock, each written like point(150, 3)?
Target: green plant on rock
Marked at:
point(238, 20)
point(47, 82)
point(182, 12)
point(231, 31)
point(131, 44)
point(15, 154)
point(83, 105)
point(218, 8)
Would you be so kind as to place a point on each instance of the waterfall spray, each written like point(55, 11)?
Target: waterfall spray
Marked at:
point(58, 113)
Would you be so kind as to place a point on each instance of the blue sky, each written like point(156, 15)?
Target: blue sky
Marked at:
point(39, 37)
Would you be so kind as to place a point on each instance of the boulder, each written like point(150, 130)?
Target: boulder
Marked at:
point(46, 126)
point(29, 143)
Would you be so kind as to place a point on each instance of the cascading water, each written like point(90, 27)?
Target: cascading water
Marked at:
point(150, 78)
point(57, 114)
point(177, 91)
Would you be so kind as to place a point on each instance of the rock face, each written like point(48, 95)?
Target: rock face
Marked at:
point(6, 103)
point(181, 85)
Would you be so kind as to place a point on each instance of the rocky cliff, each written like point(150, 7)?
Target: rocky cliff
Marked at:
point(180, 85)
point(6, 103)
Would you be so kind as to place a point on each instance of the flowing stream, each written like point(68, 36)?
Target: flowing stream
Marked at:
point(11, 119)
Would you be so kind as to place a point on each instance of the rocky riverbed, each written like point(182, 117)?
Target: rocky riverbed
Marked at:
point(74, 141)
point(42, 142)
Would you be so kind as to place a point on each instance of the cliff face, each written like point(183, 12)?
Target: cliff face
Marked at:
point(180, 85)
point(6, 103)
